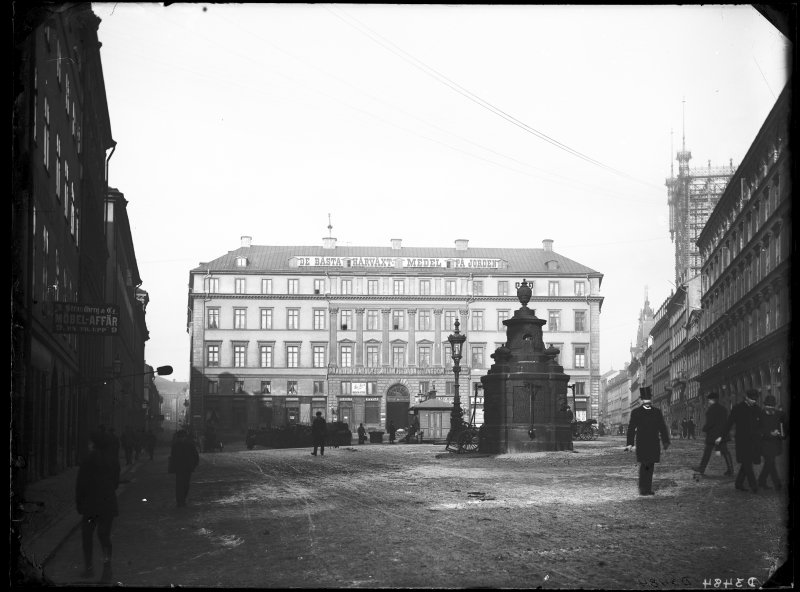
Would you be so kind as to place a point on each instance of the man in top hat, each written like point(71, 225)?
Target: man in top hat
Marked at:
point(716, 417)
point(774, 430)
point(747, 417)
point(646, 425)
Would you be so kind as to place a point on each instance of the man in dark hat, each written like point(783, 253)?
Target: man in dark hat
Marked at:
point(646, 425)
point(774, 430)
point(716, 417)
point(747, 417)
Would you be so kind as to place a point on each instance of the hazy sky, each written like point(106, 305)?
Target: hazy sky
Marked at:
point(504, 125)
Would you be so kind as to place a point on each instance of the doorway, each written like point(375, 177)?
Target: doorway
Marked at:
point(398, 400)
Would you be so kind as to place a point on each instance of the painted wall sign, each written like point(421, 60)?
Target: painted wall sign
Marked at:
point(415, 262)
point(87, 319)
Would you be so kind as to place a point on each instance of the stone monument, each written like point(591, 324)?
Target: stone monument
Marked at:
point(524, 389)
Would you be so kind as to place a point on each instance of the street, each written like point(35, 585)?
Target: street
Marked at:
point(415, 516)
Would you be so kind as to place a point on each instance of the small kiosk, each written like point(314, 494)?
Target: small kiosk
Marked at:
point(434, 418)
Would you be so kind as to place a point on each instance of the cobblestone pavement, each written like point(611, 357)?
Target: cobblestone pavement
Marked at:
point(414, 516)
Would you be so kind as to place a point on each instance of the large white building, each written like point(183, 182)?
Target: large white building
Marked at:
point(360, 333)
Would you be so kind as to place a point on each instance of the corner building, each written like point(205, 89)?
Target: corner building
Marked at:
point(360, 333)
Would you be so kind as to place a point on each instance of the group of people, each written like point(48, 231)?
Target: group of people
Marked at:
point(99, 477)
point(758, 434)
point(133, 443)
point(687, 429)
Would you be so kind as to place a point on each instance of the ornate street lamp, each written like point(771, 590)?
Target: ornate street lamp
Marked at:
point(456, 340)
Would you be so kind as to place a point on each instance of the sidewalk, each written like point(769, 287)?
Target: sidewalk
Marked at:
point(49, 517)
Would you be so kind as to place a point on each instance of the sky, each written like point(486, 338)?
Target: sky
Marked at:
point(503, 125)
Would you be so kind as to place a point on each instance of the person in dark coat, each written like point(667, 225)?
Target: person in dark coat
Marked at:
point(318, 429)
point(690, 428)
point(392, 431)
point(645, 426)
point(747, 417)
point(96, 501)
point(716, 418)
point(684, 428)
point(184, 459)
point(150, 443)
point(362, 433)
point(773, 431)
point(128, 441)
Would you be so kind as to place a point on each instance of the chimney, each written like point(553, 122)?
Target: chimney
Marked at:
point(547, 244)
point(246, 241)
point(461, 244)
point(396, 244)
point(328, 242)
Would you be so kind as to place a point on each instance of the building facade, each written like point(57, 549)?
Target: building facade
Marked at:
point(618, 397)
point(360, 333)
point(746, 248)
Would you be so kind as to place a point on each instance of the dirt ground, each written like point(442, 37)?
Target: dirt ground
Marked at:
point(388, 516)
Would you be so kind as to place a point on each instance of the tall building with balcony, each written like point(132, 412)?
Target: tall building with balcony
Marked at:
point(746, 248)
point(360, 333)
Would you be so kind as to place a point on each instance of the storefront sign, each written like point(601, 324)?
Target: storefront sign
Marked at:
point(86, 319)
point(359, 388)
point(393, 371)
point(415, 262)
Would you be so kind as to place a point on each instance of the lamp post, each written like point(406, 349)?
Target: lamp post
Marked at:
point(456, 340)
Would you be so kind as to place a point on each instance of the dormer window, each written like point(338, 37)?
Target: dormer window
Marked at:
point(552, 264)
point(241, 262)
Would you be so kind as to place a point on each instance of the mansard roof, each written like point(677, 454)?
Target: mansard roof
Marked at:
point(266, 259)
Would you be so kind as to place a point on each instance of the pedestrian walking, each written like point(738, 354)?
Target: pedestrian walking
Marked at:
point(746, 416)
point(96, 501)
point(392, 431)
point(183, 460)
point(150, 443)
point(128, 442)
point(673, 428)
point(318, 429)
point(716, 417)
point(690, 428)
point(774, 430)
point(362, 433)
point(645, 426)
point(684, 428)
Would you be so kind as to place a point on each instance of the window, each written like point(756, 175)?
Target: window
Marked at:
point(266, 387)
point(552, 288)
point(241, 262)
point(46, 135)
point(450, 317)
point(450, 388)
point(373, 356)
point(373, 320)
point(292, 286)
point(240, 318)
point(580, 320)
point(372, 286)
point(212, 320)
point(239, 386)
point(478, 356)
point(292, 356)
point(580, 356)
point(580, 389)
point(266, 286)
point(449, 287)
point(319, 286)
point(319, 318)
point(425, 287)
point(293, 318)
point(212, 285)
point(239, 355)
point(265, 355)
point(399, 287)
point(319, 387)
point(212, 355)
point(265, 321)
point(319, 356)
point(346, 317)
point(346, 387)
point(347, 286)
point(502, 288)
point(424, 320)
point(553, 320)
point(398, 356)
point(372, 412)
point(398, 320)
point(424, 386)
point(502, 315)
point(238, 285)
point(291, 387)
point(580, 288)
point(346, 356)
point(58, 167)
point(477, 288)
point(476, 320)
point(447, 354)
point(424, 356)
point(213, 387)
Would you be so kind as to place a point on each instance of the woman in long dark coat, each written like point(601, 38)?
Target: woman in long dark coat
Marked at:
point(746, 416)
point(96, 501)
point(646, 425)
point(184, 459)
point(774, 430)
